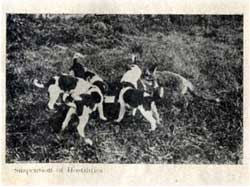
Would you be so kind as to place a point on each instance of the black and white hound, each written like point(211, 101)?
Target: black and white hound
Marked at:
point(110, 91)
point(78, 70)
point(83, 105)
point(132, 97)
point(82, 97)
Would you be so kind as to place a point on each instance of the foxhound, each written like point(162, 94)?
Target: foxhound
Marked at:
point(131, 97)
point(82, 97)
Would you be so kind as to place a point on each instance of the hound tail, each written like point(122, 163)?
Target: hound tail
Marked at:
point(203, 96)
point(37, 84)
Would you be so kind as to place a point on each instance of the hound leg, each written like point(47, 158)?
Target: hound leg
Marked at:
point(54, 93)
point(122, 106)
point(161, 92)
point(83, 120)
point(149, 116)
point(134, 111)
point(155, 113)
point(65, 95)
point(185, 103)
point(100, 110)
point(68, 118)
point(122, 112)
point(184, 90)
point(72, 73)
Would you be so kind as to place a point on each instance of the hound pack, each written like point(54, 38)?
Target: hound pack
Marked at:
point(84, 92)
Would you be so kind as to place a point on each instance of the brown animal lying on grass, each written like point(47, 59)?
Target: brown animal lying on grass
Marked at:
point(172, 86)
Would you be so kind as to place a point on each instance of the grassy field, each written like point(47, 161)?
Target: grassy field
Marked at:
point(207, 50)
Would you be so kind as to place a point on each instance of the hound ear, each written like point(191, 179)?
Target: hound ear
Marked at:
point(127, 67)
point(133, 56)
point(74, 60)
point(79, 107)
point(153, 69)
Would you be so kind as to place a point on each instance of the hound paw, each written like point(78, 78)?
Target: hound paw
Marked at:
point(50, 110)
point(88, 141)
point(103, 118)
point(64, 125)
point(152, 128)
point(159, 121)
point(217, 100)
point(117, 121)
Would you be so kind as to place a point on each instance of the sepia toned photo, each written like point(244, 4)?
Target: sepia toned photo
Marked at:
point(124, 88)
point(124, 93)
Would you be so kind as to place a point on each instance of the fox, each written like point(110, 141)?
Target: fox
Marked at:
point(172, 83)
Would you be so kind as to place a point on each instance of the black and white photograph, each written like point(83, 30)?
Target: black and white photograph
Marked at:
point(124, 88)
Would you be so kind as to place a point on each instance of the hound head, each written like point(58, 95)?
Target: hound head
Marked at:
point(133, 66)
point(134, 57)
point(77, 69)
point(136, 50)
point(150, 82)
point(149, 73)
